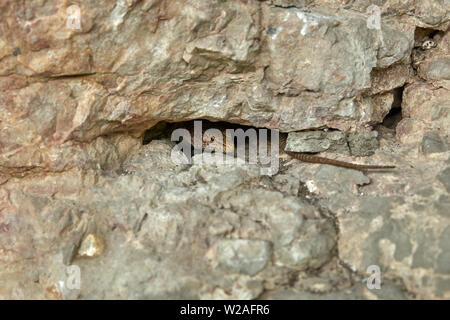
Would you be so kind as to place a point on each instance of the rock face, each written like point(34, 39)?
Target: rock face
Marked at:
point(88, 211)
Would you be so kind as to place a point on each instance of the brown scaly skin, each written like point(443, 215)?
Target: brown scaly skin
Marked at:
point(224, 144)
point(315, 159)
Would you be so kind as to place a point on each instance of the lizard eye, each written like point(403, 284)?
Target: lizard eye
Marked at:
point(213, 138)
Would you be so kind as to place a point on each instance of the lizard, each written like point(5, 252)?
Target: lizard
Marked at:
point(225, 143)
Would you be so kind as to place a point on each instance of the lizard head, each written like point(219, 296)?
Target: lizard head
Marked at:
point(219, 140)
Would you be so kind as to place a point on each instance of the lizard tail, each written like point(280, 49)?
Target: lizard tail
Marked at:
point(316, 159)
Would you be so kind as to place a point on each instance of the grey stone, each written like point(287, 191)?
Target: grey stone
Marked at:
point(394, 231)
point(432, 12)
point(423, 256)
point(433, 143)
point(357, 144)
point(443, 260)
point(75, 104)
point(444, 241)
point(396, 46)
point(444, 178)
point(317, 141)
point(290, 294)
point(244, 256)
point(311, 249)
point(443, 286)
point(438, 69)
point(388, 291)
point(426, 192)
point(442, 205)
point(286, 226)
point(363, 144)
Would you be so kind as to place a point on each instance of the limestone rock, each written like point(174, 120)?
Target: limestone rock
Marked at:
point(80, 83)
point(244, 256)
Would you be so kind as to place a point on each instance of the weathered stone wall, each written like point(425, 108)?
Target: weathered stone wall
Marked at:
point(75, 102)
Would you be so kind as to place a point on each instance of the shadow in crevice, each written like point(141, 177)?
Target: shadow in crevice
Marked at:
point(395, 114)
point(163, 129)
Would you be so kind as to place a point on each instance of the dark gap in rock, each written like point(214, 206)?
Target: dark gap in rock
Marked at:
point(434, 33)
point(424, 33)
point(16, 52)
point(163, 129)
point(71, 76)
point(395, 114)
point(155, 132)
point(139, 227)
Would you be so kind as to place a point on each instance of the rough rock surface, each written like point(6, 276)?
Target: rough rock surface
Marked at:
point(81, 195)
